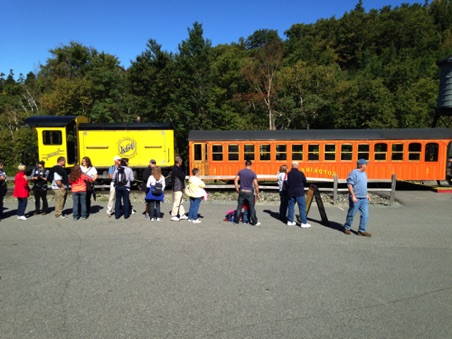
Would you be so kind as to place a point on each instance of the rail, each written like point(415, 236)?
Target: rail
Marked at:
point(335, 182)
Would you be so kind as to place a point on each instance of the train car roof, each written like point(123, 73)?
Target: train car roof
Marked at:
point(49, 121)
point(125, 126)
point(61, 121)
point(324, 134)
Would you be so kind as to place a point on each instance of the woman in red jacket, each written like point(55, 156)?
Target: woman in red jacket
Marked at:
point(21, 191)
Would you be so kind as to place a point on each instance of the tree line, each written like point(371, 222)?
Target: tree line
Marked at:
point(374, 69)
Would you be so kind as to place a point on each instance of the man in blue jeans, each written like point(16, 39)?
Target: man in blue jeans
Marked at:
point(248, 186)
point(296, 180)
point(358, 199)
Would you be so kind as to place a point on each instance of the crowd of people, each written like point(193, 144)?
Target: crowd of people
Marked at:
point(80, 183)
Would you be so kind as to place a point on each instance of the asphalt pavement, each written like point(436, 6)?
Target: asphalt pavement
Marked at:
point(107, 278)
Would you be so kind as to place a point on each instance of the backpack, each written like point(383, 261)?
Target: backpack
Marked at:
point(120, 180)
point(158, 189)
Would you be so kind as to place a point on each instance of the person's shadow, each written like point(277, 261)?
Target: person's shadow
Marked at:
point(331, 224)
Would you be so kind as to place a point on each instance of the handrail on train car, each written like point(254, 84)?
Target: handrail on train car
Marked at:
point(335, 189)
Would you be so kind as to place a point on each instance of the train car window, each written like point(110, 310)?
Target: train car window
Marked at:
point(313, 152)
point(397, 152)
point(217, 152)
point(380, 151)
point(330, 152)
point(197, 150)
point(281, 152)
point(363, 151)
point(431, 152)
point(346, 152)
point(52, 137)
point(297, 152)
point(249, 152)
point(414, 151)
point(233, 152)
point(264, 152)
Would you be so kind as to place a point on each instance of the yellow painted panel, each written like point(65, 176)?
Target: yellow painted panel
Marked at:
point(51, 148)
point(139, 146)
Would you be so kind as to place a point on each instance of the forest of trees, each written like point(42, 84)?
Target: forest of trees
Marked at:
point(375, 69)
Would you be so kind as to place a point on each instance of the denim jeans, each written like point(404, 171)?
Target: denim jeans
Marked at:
point(154, 209)
point(122, 195)
point(284, 201)
point(246, 196)
point(79, 198)
point(363, 206)
point(301, 202)
point(22, 205)
point(194, 207)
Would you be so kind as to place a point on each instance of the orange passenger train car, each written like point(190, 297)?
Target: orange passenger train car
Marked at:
point(410, 154)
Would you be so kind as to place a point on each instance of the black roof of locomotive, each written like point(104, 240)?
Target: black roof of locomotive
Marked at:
point(49, 121)
point(61, 121)
point(324, 134)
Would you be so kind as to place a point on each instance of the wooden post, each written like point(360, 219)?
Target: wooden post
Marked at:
point(335, 185)
point(393, 188)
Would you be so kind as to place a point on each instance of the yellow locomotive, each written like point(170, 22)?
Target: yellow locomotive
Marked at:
point(74, 138)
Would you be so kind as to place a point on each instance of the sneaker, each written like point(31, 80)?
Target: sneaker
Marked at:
point(22, 217)
point(146, 217)
point(364, 234)
point(257, 224)
point(189, 220)
point(305, 225)
point(346, 231)
point(84, 218)
point(133, 211)
point(62, 216)
point(174, 219)
point(183, 217)
point(291, 223)
point(159, 219)
point(152, 219)
point(197, 221)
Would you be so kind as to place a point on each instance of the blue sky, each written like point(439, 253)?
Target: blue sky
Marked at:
point(30, 28)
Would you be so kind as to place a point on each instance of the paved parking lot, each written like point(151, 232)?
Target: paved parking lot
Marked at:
point(106, 278)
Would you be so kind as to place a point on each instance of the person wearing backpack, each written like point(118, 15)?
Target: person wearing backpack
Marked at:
point(156, 187)
point(123, 178)
point(146, 174)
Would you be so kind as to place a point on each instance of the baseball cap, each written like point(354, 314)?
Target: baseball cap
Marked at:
point(116, 158)
point(152, 161)
point(362, 162)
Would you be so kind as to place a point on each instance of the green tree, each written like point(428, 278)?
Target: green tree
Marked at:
point(261, 70)
point(151, 80)
point(192, 98)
